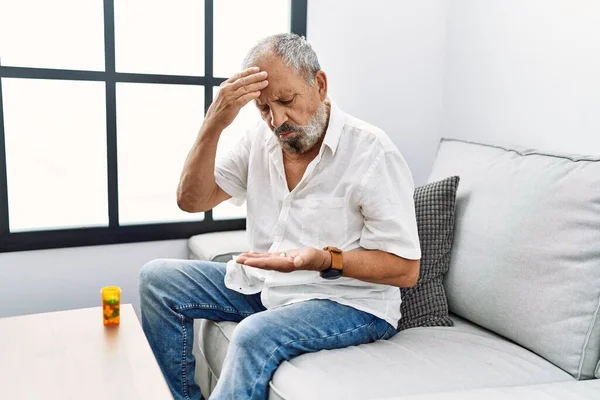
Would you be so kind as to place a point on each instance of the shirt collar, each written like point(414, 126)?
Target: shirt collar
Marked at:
point(337, 120)
point(334, 128)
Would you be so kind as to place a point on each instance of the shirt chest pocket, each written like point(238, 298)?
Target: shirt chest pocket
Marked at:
point(324, 222)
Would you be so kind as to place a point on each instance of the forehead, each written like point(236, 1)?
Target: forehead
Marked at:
point(282, 79)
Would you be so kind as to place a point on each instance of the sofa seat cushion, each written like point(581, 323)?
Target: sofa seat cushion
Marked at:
point(549, 391)
point(416, 360)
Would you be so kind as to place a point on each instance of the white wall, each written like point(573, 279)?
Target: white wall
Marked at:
point(62, 279)
point(524, 72)
point(385, 62)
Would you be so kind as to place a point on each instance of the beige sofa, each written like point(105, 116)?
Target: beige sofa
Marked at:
point(523, 290)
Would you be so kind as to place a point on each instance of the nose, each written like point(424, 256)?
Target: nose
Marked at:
point(278, 117)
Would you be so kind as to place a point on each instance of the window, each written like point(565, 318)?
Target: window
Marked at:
point(100, 101)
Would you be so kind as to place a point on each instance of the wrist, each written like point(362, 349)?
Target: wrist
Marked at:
point(334, 264)
point(326, 260)
point(212, 128)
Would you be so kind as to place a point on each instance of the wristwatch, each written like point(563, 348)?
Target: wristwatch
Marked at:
point(337, 265)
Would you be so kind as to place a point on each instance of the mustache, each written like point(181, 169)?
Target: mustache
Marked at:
point(285, 127)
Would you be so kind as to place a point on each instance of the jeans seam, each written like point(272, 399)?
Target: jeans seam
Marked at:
point(303, 340)
point(182, 318)
point(211, 306)
point(184, 356)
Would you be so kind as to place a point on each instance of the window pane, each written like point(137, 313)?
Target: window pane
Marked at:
point(247, 119)
point(66, 34)
point(227, 210)
point(159, 37)
point(56, 153)
point(156, 127)
point(251, 20)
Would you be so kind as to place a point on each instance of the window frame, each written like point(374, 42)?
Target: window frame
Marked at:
point(115, 233)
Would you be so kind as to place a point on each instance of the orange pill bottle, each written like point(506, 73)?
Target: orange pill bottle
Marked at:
point(111, 305)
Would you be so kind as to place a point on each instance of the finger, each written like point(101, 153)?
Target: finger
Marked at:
point(274, 263)
point(241, 74)
point(254, 254)
point(247, 98)
point(246, 80)
point(253, 261)
point(266, 255)
point(252, 87)
point(243, 257)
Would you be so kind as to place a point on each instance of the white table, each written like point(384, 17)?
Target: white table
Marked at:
point(71, 355)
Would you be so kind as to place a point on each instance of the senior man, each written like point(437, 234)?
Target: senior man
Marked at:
point(331, 223)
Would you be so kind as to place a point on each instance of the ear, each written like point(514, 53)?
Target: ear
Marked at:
point(321, 82)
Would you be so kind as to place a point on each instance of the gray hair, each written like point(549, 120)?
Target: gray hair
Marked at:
point(294, 50)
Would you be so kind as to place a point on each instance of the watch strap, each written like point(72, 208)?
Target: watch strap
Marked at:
point(337, 261)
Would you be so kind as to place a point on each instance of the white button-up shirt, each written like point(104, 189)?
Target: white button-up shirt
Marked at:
point(356, 194)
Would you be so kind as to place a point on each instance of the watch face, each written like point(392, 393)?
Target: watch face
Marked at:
point(331, 273)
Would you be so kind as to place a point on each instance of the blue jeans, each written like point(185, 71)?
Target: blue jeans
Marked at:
point(175, 292)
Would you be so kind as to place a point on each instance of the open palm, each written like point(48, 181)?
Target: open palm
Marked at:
point(307, 258)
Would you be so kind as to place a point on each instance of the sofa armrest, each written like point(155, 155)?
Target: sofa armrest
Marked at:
point(217, 246)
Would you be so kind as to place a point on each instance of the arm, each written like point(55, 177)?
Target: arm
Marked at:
point(378, 267)
point(367, 265)
point(197, 190)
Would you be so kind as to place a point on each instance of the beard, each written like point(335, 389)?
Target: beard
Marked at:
point(306, 136)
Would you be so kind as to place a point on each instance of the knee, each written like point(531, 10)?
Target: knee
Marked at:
point(159, 276)
point(153, 275)
point(252, 335)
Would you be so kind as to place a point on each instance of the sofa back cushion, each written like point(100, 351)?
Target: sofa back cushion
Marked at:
point(525, 260)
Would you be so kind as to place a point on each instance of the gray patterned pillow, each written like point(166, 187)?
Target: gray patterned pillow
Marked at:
point(425, 304)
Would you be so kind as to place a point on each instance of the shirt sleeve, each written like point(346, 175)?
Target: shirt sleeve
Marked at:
point(388, 207)
point(231, 170)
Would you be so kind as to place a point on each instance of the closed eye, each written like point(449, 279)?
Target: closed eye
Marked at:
point(286, 102)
